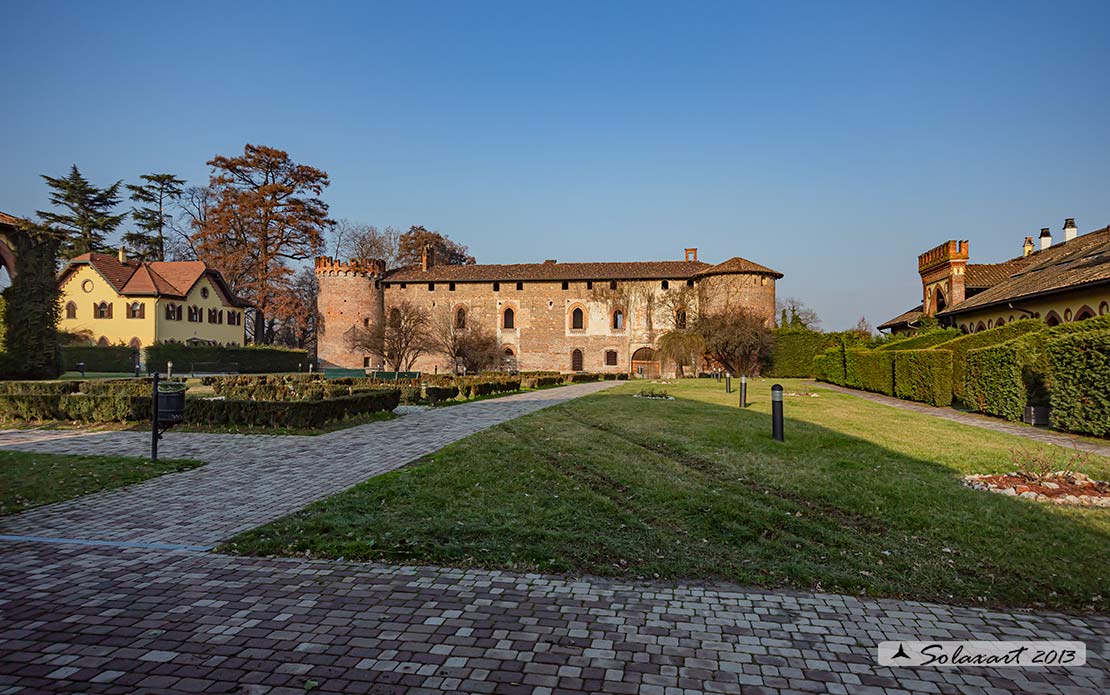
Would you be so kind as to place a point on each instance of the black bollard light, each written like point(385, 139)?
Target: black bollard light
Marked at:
point(776, 413)
point(743, 391)
point(154, 420)
point(81, 368)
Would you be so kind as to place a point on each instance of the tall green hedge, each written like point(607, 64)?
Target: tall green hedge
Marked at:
point(795, 350)
point(924, 376)
point(250, 359)
point(1080, 366)
point(1002, 379)
point(829, 366)
point(97, 358)
point(924, 340)
point(959, 348)
point(870, 370)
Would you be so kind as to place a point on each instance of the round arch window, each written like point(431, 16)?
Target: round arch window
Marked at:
point(204, 292)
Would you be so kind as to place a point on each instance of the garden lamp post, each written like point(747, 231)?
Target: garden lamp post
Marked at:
point(743, 390)
point(81, 368)
point(776, 412)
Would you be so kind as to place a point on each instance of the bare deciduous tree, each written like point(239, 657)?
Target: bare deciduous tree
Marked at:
point(468, 346)
point(739, 340)
point(350, 239)
point(400, 340)
point(794, 313)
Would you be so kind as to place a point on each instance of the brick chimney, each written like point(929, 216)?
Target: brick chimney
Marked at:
point(942, 275)
point(1046, 238)
point(692, 255)
point(1027, 247)
point(427, 258)
point(1070, 230)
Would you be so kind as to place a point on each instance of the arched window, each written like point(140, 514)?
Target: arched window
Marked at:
point(1052, 319)
point(135, 344)
point(990, 323)
point(136, 310)
point(103, 342)
point(1067, 314)
point(618, 320)
point(1085, 313)
point(508, 352)
point(395, 317)
point(1001, 322)
point(680, 318)
point(102, 310)
point(576, 361)
point(460, 317)
point(577, 321)
point(71, 310)
point(1103, 308)
point(980, 327)
point(508, 319)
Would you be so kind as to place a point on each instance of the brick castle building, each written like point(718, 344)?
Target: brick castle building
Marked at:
point(596, 317)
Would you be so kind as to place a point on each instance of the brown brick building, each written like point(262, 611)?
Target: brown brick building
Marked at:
point(596, 317)
point(1057, 282)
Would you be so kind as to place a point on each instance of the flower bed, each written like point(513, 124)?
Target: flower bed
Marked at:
point(1060, 487)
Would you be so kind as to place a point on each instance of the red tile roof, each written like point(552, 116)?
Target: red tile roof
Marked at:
point(552, 271)
point(5, 218)
point(983, 275)
point(159, 279)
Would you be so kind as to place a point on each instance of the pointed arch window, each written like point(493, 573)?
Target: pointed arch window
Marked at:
point(577, 319)
point(680, 319)
point(460, 317)
point(136, 310)
point(618, 320)
point(102, 310)
point(576, 361)
point(71, 310)
point(508, 320)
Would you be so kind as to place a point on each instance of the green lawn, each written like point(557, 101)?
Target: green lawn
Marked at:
point(32, 479)
point(861, 498)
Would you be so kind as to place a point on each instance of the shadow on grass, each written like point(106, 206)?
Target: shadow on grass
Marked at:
point(869, 501)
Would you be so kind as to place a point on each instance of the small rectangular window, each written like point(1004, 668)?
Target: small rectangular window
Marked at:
point(404, 285)
point(365, 361)
point(431, 287)
point(610, 358)
point(612, 284)
point(497, 287)
point(519, 286)
point(666, 285)
point(566, 285)
point(451, 287)
point(689, 283)
point(589, 284)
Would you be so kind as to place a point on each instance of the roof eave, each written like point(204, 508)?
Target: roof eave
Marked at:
point(959, 309)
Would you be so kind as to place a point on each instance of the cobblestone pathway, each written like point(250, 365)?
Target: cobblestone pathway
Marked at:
point(99, 619)
point(127, 620)
point(982, 421)
point(250, 479)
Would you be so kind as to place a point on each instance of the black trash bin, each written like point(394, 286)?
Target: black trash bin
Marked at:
point(171, 402)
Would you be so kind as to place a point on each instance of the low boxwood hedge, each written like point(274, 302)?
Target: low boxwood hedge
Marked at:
point(98, 358)
point(923, 375)
point(1080, 366)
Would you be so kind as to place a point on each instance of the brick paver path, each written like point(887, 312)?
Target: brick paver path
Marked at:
point(982, 421)
point(81, 618)
point(249, 480)
point(127, 620)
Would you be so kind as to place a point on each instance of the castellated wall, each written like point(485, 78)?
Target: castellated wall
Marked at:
point(542, 336)
point(350, 295)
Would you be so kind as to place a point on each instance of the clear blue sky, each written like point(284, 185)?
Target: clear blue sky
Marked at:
point(831, 141)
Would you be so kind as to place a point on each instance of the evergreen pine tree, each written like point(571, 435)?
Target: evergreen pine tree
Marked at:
point(86, 217)
point(148, 242)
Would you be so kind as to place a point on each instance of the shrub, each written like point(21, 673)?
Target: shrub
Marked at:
point(923, 340)
point(1079, 362)
point(829, 366)
point(251, 359)
point(870, 370)
point(997, 378)
point(97, 358)
point(438, 394)
point(795, 350)
point(41, 388)
point(923, 375)
point(959, 347)
point(535, 382)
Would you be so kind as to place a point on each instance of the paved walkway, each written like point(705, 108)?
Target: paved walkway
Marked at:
point(985, 422)
point(250, 479)
point(96, 618)
point(126, 620)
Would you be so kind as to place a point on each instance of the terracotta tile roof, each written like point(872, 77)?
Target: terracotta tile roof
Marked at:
point(160, 278)
point(517, 272)
point(904, 318)
point(1081, 262)
point(5, 218)
point(736, 264)
point(983, 275)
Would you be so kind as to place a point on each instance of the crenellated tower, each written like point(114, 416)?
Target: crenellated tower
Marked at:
point(942, 276)
point(351, 298)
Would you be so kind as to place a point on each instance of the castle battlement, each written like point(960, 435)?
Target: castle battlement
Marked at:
point(369, 267)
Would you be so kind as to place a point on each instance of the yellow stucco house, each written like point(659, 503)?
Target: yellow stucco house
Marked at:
point(114, 301)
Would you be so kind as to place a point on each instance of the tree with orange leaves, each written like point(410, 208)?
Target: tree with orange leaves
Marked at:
point(266, 213)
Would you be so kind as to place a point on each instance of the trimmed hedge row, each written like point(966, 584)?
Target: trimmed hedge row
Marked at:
point(251, 359)
point(795, 350)
point(829, 365)
point(959, 347)
point(1080, 368)
point(924, 376)
point(98, 358)
point(924, 340)
point(124, 408)
point(869, 370)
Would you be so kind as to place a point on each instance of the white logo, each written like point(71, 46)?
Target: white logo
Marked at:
point(982, 653)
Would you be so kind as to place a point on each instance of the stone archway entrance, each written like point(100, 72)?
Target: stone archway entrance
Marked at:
point(644, 365)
